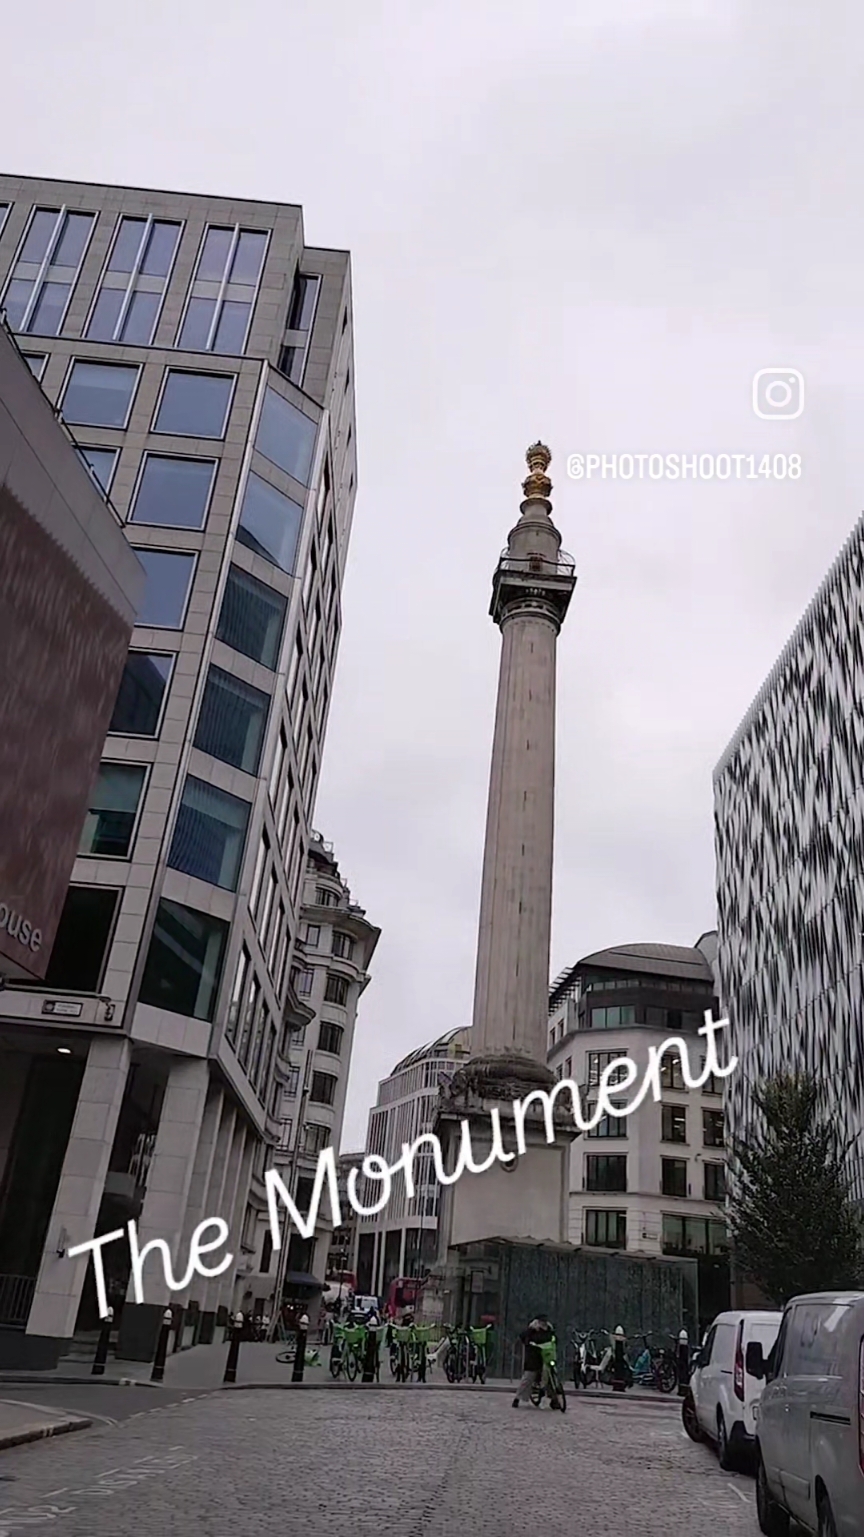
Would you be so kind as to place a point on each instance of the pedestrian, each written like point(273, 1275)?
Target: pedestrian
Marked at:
point(539, 1332)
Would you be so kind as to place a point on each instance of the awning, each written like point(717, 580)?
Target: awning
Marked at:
point(302, 1278)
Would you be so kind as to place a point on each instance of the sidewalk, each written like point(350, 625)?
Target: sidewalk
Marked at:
point(203, 1367)
point(20, 1423)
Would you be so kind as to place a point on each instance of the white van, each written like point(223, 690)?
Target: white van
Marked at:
point(720, 1401)
point(810, 1425)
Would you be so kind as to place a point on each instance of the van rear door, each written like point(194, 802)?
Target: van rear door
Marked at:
point(813, 1384)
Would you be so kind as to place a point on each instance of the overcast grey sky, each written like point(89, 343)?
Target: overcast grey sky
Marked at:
point(586, 222)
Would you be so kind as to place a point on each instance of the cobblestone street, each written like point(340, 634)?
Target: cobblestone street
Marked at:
point(408, 1464)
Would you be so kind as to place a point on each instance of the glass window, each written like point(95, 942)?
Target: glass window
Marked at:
point(194, 405)
point(173, 493)
point(214, 254)
point(99, 394)
point(291, 363)
point(36, 363)
point(312, 935)
point(715, 1181)
point(270, 523)
point(323, 1090)
point(336, 989)
point(47, 316)
point(286, 437)
point(83, 935)
point(142, 693)
point(606, 1229)
point(210, 834)
point(100, 462)
point(330, 1039)
point(712, 1128)
point(302, 982)
point(316, 1138)
point(140, 322)
point(248, 257)
point(127, 245)
point(238, 993)
point(252, 618)
point(169, 577)
point(611, 1126)
point(39, 235)
point(606, 1171)
point(674, 1176)
point(184, 961)
point(114, 802)
point(73, 240)
point(343, 945)
point(230, 337)
point(106, 314)
point(160, 248)
point(232, 720)
point(303, 302)
point(197, 324)
point(674, 1123)
point(671, 1072)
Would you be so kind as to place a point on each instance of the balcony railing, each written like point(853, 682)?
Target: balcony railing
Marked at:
point(540, 565)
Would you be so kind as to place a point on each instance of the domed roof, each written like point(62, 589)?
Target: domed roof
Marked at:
point(685, 963)
point(445, 1046)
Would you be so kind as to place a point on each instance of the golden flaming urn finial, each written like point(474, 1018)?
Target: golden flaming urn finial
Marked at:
point(537, 484)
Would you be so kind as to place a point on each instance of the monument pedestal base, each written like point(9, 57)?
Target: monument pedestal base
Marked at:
point(525, 1198)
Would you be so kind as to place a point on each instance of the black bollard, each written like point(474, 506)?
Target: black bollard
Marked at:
point(158, 1371)
point(683, 1364)
point(300, 1357)
point(370, 1359)
point(101, 1356)
point(234, 1349)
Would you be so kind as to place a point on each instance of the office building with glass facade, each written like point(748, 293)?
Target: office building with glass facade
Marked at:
point(200, 355)
point(789, 830)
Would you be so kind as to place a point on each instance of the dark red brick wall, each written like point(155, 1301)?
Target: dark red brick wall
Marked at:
point(62, 650)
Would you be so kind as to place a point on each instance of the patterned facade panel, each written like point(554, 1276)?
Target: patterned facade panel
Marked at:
point(789, 837)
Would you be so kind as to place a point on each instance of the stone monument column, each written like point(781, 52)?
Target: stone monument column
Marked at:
point(528, 1198)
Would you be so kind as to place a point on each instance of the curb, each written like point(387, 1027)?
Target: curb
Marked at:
point(42, 1432)
point(42, 1379)
point(440, 1387)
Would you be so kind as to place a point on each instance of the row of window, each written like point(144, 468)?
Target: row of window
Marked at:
point(250, 1029)
point(671, 1071)
point(681, 1235)
point(608, 1171)
point(674, 1125)
point(335, 987)
point(342, 945)
point(134, 281)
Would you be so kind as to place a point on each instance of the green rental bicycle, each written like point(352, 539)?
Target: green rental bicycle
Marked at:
point(478, 1340)
point(348, 1350)
point(550, 1385)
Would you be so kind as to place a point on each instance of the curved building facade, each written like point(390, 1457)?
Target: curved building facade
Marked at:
point(401, 1240)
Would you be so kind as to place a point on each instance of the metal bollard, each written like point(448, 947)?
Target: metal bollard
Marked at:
point(370, 1359)
point(300, 1356)
point(101, 1356)
point(234, 1349)
point(683, 1363)
point(158, 1371)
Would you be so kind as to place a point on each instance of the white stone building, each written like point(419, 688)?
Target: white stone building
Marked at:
point(401, 1239)
point(652, 1182)
point(330, 973)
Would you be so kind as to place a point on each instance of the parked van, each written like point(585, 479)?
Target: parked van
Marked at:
point(720, 1401)
point(810, 1422)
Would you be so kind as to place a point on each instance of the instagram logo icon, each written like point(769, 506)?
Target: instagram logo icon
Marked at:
point(778, 394)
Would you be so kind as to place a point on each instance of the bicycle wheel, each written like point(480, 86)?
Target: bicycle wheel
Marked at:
point(667, 1376)
point(394, 1360)
point(557, 1396)
point(352, 1364)
point(481, 1366)
point(335, 1362)
point(450, 1365)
